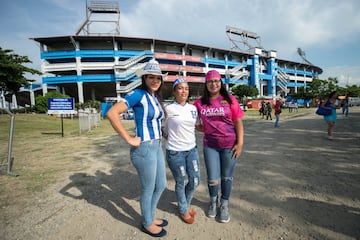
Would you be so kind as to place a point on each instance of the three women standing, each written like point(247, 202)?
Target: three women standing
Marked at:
point(220, 120)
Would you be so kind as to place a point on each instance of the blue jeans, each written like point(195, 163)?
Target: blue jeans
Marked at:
point(184, 165)
point(345, 110)
point(148, 159)
point(277, 117)
point(219, 166)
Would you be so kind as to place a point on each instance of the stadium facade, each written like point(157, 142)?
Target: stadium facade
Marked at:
point(101, 67)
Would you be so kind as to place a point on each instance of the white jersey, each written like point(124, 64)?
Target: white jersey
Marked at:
point(180, 126)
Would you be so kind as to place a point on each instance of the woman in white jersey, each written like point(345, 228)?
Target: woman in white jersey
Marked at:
point(146, 149)
point(181, 151)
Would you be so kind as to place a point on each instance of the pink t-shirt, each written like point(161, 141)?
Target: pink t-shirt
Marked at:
point(218, 121)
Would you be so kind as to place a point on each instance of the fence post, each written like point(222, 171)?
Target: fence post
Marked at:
point(10, 159)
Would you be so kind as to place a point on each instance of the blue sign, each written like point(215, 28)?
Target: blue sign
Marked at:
point(61, 106)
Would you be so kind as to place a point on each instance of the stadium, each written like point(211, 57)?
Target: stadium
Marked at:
point(96, 66)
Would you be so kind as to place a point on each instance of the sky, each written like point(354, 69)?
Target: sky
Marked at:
point(327, 31)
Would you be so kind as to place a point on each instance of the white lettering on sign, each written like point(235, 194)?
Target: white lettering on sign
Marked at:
point(213, 111)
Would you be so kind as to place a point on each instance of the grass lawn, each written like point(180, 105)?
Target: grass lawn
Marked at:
point(40, 152)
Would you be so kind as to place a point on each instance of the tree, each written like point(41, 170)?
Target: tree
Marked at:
point(351, 91)
point(89, 104)
point(243, 91)
point(322, 88)
point(12, 71)
point(302, 94)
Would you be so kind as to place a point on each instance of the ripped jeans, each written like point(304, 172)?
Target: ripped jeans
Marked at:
point(185, 168)
point(219, 167)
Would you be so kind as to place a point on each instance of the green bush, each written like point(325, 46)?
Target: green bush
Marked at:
point(89, 104)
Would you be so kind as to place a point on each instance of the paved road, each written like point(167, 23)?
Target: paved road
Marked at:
point(290, 183)
point(293, 183)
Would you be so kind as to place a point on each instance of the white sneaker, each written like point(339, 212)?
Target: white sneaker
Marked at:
point(330, 138)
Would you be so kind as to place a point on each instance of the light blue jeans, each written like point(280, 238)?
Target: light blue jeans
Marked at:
point(185, 166)
point(277, 118)
point(219, 167)
point(345, 110)
point(148, 159)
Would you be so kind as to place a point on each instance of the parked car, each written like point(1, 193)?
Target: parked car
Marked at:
point(354, 101)
point(243, 107)
point(128, 115)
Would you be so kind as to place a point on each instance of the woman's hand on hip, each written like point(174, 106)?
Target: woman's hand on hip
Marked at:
point(134, 141)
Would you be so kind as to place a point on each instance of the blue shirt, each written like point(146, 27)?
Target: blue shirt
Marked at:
point(148, 114)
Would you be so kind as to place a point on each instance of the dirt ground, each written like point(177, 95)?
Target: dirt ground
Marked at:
point(291, 182)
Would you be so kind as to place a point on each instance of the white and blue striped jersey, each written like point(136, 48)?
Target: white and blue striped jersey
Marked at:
point(148, 114)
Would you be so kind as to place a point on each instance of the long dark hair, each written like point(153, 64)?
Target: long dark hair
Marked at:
point(205, 99)
point(332, 94)
point(158, 93)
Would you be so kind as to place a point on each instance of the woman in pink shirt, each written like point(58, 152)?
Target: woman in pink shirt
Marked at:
point(221, 121)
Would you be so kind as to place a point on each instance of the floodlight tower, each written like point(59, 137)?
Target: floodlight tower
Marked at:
point(94, 11)
point(237, 35)
point(303, 56)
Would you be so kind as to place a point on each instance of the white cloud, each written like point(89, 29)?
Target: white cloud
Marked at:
point(324, 29)
point(347, 75)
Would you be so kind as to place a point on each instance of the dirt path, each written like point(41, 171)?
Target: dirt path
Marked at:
point(290, 183)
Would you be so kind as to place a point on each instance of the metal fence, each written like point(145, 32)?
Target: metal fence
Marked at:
point(88, 119)
point(10, 159)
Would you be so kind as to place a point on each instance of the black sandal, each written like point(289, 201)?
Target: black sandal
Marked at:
point(160, 234)
point(164, 223)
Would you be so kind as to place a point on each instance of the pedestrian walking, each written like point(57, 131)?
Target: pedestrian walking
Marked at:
point(345, 106)
point(332, 103)
point(268, 111)
point(277, 110)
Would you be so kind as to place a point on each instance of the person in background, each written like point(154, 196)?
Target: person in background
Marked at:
point(296, 106)
point(345, 106)
point(220, 118)
point(268, 111)
point(262, 109)
point(181, 151)
point(277, 110)
point(332, 103)
point(146, 148)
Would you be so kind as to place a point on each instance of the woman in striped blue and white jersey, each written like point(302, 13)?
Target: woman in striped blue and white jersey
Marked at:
point(146, 147)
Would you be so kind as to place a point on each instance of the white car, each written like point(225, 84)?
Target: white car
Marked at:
point(354, 101)
point(243, 107)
